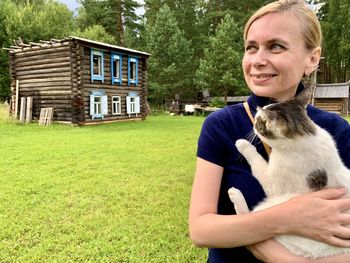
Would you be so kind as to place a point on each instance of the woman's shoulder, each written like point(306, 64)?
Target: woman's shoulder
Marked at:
point(227, 115)
point(327, 120)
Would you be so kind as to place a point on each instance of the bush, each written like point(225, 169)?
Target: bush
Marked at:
point(217, 103)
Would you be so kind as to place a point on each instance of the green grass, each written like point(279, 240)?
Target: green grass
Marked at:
point(109, 193)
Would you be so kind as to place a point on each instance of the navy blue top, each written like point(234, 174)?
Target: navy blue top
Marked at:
point(216, 144)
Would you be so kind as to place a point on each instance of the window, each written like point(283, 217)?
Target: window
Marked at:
point(133, 103)
point(116, 105)
point(116, 68)
point(96, 65)
point(133, 71)
point(98, 104)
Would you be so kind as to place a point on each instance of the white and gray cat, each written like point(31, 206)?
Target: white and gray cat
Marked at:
point(304, 158)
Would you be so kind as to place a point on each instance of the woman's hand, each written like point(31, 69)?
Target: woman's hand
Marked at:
point(318, 215)
point(270, 251)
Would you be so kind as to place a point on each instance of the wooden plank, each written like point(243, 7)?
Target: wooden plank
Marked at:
point(53, 56)
point(44, 76)
point(32, 51)
point(29, 110)
point(17, 98)
point(43, 71)
point(22, 112)
point(43, 61)
point(46, 115)
point(43, 66)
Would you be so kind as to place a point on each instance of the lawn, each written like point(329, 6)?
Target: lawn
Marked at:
point(109, 193)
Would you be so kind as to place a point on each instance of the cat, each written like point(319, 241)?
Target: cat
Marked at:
point(304, 158)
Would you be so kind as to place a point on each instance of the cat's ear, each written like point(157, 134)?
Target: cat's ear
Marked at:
point(304, 96)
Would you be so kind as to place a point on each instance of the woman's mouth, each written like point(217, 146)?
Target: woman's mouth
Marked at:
point(262, 77)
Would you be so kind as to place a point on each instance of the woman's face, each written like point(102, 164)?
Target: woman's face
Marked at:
point(275, 57)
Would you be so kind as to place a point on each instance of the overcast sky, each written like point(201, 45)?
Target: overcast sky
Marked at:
point(73, 5)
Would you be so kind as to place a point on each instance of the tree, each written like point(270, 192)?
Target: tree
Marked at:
point(32, 21)
point(97, 33)
point(336, 25)
point(171, 57)
point(113, 15)
point(220, 69)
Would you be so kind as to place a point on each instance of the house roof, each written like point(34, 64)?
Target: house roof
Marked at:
point(20, 46)
point(332, 90)
point(109, 45)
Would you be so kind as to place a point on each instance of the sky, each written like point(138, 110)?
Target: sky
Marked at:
point(73, 5)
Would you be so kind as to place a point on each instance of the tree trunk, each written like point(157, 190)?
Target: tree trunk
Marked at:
point(119, 24)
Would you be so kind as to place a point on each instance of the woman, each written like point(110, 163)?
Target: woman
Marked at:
point(282, 44)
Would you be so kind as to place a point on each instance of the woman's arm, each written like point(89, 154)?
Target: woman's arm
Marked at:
point(263, 251)
point(315, 215)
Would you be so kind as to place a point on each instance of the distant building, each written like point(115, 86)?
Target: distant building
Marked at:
point(84, 81)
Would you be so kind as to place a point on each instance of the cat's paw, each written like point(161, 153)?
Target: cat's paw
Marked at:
point(238, 200)
point(235, 195)
point(243, 145)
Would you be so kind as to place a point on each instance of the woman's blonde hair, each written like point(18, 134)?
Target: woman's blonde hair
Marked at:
point(311, 32)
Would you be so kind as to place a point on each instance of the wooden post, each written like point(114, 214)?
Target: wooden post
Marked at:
point(29, 109)
point(16, 99)
point(22, 112)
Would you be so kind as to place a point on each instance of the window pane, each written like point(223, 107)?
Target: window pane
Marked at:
point(97, 64)
point(132, 70)
point(116, 68)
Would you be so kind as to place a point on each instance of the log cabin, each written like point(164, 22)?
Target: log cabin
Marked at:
point(333, 97)
point(84, 81)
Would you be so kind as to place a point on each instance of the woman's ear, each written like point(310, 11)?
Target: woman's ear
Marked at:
point(313, 60)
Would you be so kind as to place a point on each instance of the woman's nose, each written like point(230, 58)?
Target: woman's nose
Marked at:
point(259, 58)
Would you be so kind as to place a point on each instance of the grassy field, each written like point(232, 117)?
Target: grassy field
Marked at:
point(110, 193)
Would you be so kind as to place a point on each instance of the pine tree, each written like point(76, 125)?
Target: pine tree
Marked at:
point(220, 68)
point(171, 57)
point(114, 15)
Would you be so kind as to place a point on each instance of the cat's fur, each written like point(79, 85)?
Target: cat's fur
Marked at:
point(304, 158)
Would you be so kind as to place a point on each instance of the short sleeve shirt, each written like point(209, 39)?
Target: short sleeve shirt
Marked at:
point(216, 144)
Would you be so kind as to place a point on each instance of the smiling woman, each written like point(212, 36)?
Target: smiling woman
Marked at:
point(270, 57)
point(282, 44)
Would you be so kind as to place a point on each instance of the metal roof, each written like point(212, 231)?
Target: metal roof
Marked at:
point(109, 45)
point(332, 90)
point(19, 46)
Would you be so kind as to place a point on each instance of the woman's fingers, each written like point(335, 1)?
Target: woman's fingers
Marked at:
point(330, 193)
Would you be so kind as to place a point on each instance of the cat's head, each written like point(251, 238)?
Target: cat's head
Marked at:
point(284, 120)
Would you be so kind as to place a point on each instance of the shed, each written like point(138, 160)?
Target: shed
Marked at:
point(84, 81)
point(333, 97)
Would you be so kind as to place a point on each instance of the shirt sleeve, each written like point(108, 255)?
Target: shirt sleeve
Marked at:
point(211, 145)
point(343, 141)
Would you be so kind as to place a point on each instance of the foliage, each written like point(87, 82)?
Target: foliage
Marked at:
point(95, 32)
point(336, 25)
point(31, 21)
point(91, 194)
point(114, 15)
point(195, 22)
point(220, 68)
point(171, 56)
point(216, 103)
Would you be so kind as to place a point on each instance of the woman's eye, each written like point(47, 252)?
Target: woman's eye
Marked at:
point(250, 48)
point(277, 47)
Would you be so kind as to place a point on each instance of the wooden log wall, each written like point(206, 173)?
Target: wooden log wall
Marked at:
point(113, 89)
point(44, 73)
point(56, 74)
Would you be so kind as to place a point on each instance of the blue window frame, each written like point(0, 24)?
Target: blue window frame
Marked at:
point(116, 68)
point(133, 65)
point(96, 65)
